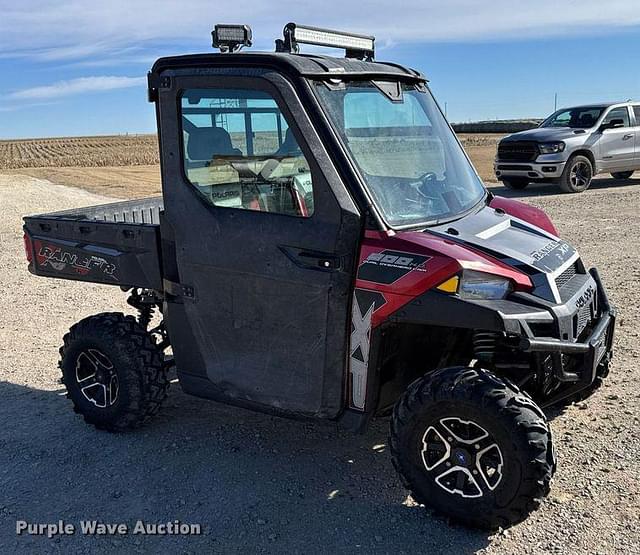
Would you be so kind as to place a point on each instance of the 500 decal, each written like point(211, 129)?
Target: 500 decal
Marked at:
point(59, 259)
point(389, 266)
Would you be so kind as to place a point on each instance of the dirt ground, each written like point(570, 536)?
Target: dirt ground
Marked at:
point(262, 484)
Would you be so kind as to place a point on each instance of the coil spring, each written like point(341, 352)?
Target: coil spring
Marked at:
point(145, 315)
point(485, 344)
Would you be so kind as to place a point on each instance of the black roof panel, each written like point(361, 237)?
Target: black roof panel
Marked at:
point(301, 64)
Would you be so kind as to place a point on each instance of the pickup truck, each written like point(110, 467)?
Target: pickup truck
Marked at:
point(324, 249)
point(571, 146)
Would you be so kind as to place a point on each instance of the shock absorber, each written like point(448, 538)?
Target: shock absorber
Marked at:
point(145, 315)
point(484, 345)
point(143, 302)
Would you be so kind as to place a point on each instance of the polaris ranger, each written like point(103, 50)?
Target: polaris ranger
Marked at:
point(324, 249)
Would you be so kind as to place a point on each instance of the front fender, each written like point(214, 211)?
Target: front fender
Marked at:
point(438, 309)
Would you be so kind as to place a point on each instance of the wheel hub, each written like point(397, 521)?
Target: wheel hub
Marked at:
point(97, 378)
point(580, 174)
point(462, 457)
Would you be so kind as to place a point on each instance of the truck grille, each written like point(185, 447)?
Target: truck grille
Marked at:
point(566, 276)
point(518, 151)
point(582, 319)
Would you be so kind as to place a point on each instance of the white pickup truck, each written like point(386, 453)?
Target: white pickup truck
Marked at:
point(571, 146)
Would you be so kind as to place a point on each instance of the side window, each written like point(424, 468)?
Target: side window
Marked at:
point(618, 113)
point(239, 152)
point(636, 111)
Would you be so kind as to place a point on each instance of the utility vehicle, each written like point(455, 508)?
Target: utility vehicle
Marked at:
point(324, 249)
point(571, 146)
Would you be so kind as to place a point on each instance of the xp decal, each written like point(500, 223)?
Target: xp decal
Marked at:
point(552, 255)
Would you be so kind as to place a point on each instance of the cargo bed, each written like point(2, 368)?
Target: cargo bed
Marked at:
point(116, 243)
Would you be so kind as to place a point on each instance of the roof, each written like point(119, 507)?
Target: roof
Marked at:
point(599, 104)
point(309, 65)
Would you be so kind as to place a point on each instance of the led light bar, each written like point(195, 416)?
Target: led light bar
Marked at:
point(230, 38)
point(356, 46)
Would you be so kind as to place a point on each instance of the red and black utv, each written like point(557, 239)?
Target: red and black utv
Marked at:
point(324, 249)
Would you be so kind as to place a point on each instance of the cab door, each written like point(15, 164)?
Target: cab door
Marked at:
point(261, 239)
point(617, 145)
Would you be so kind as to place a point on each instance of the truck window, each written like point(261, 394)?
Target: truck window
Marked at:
point(618, 113)
point(239, 152)
point(576, 118)
point(636, 112)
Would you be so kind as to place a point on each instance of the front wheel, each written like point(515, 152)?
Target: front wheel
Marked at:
point(622, 175)
point(472, 447)
point(576, 176)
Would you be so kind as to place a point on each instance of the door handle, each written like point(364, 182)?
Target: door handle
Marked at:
point(312, 260)
point(627, 136)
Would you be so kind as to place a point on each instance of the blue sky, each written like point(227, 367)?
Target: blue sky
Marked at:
point(78, 67)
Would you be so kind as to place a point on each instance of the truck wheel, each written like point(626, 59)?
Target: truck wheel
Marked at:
point(516, 183)
point(622, 175)
point(113, 371)
point(576, 176)
point(472, 447)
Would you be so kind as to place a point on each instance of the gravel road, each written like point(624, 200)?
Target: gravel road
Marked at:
point(262, 484)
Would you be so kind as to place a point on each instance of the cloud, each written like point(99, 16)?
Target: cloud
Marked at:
point(77, 86)
point(84, 30)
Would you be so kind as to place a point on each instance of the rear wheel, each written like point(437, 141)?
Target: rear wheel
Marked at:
point(622, 175)
point(113, 371)
point(472, 447)
point(515, 183)
point(576, 176)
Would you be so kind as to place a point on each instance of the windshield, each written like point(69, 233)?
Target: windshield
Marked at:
point(413, 166)
point(576, 118)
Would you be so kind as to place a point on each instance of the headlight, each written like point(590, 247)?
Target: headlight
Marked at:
point(551, 148)
point(478, 285)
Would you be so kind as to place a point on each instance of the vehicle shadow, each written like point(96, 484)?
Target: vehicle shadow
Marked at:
point(549, 189)
point(252, 481)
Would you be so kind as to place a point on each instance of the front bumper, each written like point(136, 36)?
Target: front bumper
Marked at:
point(555, 348)
point(532, 170)
point(591, 353)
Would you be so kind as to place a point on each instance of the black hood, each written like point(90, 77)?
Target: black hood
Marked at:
point(515, 242)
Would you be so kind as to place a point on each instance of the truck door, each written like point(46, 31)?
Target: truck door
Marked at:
point(617, 145)
point(265, 238)
point(636, 113)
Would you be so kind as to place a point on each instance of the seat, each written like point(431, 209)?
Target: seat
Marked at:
point(289, 146)
point(587, 120)
point(205, 143)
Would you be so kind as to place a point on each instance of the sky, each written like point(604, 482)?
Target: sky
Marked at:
point(78, 67)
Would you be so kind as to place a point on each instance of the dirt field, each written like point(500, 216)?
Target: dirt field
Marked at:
point(261, 484)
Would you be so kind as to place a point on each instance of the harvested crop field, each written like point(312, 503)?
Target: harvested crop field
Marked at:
point(115, 150)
